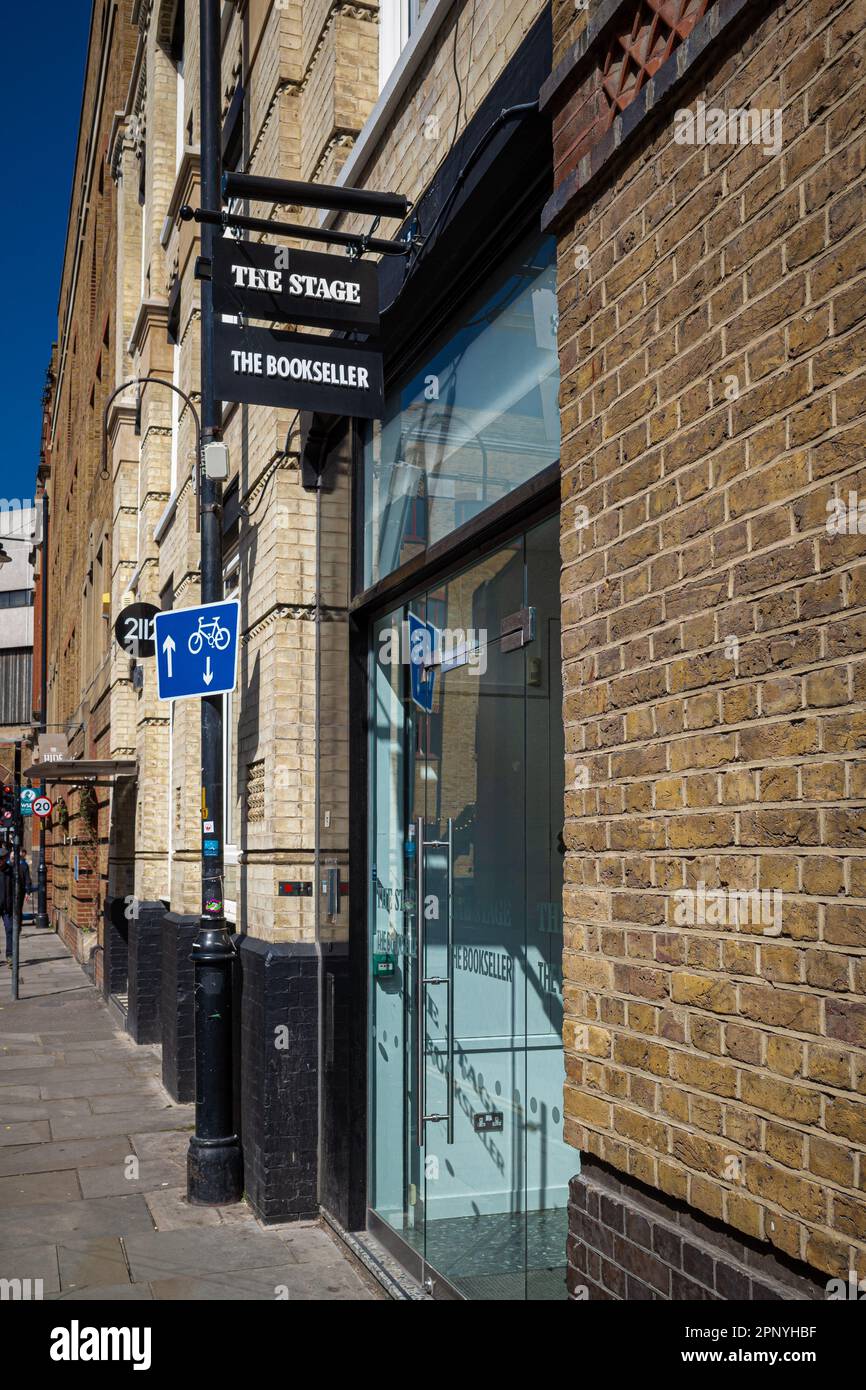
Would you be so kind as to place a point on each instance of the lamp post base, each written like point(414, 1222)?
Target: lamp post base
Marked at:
point(214, 1160)
point(214, 1172)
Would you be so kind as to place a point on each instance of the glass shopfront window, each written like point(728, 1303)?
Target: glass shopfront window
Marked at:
point(469, 1166)
point(477, 419)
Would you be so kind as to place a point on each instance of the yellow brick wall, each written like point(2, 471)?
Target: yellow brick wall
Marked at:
point(310, 75)
point(310, 70)
point(82, 497)
point(433, 110)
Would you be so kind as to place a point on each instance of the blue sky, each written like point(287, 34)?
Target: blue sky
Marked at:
point(40, 99)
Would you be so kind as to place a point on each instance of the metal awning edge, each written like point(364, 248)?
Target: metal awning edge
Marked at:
point(81, 770)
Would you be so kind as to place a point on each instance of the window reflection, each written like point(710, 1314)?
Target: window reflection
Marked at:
point(476, 420)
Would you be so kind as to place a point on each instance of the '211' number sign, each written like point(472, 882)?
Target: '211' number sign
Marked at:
point(134, 630)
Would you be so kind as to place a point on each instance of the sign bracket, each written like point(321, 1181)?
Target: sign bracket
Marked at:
point(358, 243)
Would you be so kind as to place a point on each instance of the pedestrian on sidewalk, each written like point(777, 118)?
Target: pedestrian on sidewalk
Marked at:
point(7, 899)
point(7, 894)
point(25, 883)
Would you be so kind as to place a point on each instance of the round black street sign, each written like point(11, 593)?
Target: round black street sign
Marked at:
point(134, 630)
point(118, 912)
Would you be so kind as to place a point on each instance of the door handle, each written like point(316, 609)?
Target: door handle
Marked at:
point(420, 1023)
point(423, 980)
point(450, 982)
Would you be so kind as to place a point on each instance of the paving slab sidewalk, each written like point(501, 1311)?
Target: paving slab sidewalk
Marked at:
point(93, 1166)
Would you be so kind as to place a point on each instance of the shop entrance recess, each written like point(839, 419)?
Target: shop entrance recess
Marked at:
point(468, 1165)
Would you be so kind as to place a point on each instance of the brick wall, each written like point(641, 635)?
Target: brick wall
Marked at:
point(624, 1244)
point(310, 80)
point(713, 405)
point(78, 636)
point(434, 110)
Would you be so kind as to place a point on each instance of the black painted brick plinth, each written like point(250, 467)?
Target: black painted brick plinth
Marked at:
point(115, 955)
point(145, 973)
point(626, 1243)
point(279, 1085)
point(342, 1137)
point(177, 1006)
point(237, 985)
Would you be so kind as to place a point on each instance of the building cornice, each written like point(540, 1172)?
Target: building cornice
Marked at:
point(151, 313)
point(120, 413)
point(84, 204)
point(186, 180)
point(116, 143)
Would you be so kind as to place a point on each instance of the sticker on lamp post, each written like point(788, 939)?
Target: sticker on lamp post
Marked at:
point(197, 650)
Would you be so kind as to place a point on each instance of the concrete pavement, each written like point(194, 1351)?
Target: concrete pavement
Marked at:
point(93, 1162)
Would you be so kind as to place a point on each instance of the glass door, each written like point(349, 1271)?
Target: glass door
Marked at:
point(468, 1164)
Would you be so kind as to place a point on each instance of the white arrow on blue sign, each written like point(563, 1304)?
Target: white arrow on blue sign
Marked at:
point(197, 650)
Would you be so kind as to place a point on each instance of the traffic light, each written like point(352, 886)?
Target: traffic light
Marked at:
point(8, 806)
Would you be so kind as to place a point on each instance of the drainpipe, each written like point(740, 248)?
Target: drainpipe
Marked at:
point(317, 848)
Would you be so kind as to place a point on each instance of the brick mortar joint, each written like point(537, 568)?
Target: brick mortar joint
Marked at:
point(725, 1103)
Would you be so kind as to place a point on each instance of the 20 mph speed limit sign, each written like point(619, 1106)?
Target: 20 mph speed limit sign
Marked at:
point(42, 806)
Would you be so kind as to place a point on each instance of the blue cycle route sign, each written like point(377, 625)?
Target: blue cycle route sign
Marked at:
point(197, 650)
point(422, 638)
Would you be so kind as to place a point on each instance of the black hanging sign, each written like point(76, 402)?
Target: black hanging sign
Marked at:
point(259, 366)
point(287, 286)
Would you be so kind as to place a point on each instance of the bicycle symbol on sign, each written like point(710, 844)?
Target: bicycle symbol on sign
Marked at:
point(209, 632)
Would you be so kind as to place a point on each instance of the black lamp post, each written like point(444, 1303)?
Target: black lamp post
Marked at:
point(214, 1166)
